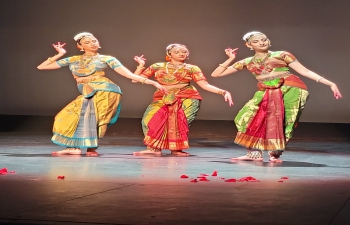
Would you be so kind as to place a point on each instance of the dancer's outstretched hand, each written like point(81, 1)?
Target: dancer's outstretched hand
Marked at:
point(336, 91)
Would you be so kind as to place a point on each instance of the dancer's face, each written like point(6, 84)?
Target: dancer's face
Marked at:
point(90, 44)
point(259, 43)
point(179, 54)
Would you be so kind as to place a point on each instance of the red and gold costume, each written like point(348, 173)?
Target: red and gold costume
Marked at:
point(166, 120)
point(268, 119)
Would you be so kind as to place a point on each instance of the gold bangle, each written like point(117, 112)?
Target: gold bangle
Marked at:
point(318, 80)
point(223, 92)
point(140, 67)
point(223, 66)
point(50, 60)
point(143, 81)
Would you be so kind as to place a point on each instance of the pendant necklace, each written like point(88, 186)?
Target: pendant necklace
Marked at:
point(261, 64)
point(173, 74)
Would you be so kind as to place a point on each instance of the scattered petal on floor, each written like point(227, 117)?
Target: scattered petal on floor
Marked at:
point(201, 177)
point(249, 178)
point(231, 180)
point(61, 177)
point(194, 180)
point(204, 179)
point(215, 173)
point(284, 178)
point(203, 174)
point(184, 176)
point(280, 181)
point(4, 171)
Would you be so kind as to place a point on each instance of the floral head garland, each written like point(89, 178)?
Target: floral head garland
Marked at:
point(79, 37)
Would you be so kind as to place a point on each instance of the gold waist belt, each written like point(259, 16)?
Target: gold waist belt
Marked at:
point(268, 78)
point(87, 80)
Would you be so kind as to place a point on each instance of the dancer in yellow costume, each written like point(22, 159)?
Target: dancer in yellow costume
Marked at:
point(267, 121)
point(83, 121)
point(166, 120)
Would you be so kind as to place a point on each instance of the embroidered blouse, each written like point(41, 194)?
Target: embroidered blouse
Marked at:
point(82, 66)
point(273, 62)
point(169, 75)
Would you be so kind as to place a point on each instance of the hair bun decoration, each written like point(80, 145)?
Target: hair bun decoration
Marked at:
point(251, 34)
point(81, 35)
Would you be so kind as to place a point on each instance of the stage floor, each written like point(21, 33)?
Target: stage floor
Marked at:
point(119, 188)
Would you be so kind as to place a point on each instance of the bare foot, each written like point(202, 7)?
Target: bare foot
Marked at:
point(147, 152)
point(179, 153)
point(246, 158)
point(68, 151)
point(275, 160)
point(91, 152)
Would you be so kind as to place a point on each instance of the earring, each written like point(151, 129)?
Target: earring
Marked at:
point(82, 50)
point(251, 49)
point(99, 47)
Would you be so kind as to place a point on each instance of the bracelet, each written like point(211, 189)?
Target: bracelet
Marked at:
point(140, 67)
point(318, 80)
point(143, 81)
point(50, 60)
point(223, 93)
point(223, 66)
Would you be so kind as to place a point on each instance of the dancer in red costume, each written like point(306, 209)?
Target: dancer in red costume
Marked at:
point(167, 119)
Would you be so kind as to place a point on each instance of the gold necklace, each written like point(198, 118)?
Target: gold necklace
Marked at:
point(175, 66)
point(260, 64)
point(85, 60)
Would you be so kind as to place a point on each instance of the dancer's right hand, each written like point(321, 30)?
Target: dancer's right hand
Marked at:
point(141, 60)
point(59, 48)
point(231, 53)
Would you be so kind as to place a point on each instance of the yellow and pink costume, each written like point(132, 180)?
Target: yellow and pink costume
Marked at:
point(84, 120)
point(166, 120)
point(268, 119)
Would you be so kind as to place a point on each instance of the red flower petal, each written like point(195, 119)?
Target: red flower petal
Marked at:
point(280, 181)
point(249, 178)
point(194, 180)
point(284, 178)
point(203, 174)
point(184, 176)
point(3, 170)
point(203, 179)
point(60, 177)
point(231, 180)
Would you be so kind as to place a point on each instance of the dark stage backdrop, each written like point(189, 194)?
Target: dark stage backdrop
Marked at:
point(317, 32)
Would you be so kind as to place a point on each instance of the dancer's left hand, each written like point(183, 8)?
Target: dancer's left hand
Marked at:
point(228, 98)
point(160, 87)
point(336, 91)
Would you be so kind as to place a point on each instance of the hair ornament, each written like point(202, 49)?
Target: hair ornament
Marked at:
point(82, 35)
